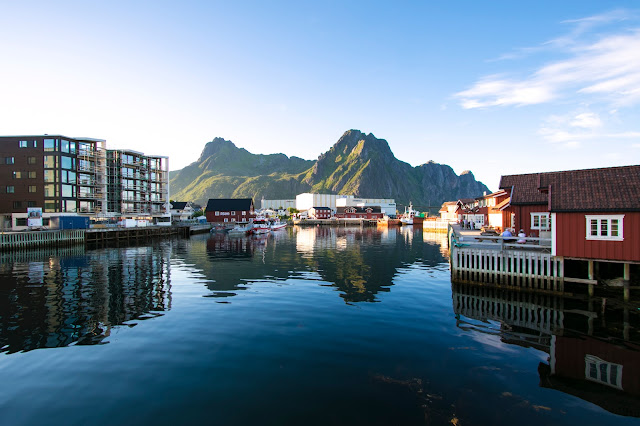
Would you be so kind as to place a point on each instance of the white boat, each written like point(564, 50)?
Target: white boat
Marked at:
point(239, 230)
point(409, 215)
point(260, 226)
point(276, 225)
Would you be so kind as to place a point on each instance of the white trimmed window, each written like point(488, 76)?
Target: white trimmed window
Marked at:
point(217, 213)
point(540, 221)
point(602, 227)
point(601, 371)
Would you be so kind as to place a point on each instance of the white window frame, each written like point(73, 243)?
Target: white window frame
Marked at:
point(540, 215)
point(217, 213)
point(602, 366)
point(604, 220)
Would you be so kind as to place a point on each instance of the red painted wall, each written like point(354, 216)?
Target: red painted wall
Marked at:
point(572, 242)
point(523, 217)
point(238, 217)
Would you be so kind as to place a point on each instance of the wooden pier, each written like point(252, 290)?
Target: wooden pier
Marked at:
point(26, 240)
point(94, 237)
point(494, 261)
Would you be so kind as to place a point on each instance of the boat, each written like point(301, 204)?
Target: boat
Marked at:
point(411, 216)
point(260, 226)
point(386, 221)
point(276, 225)
point(240, 230)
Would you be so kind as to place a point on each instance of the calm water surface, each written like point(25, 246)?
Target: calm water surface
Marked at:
point(307, 326)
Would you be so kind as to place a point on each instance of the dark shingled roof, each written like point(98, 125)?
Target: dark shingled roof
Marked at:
point(229, 204)
point(178, 205)
point(606, 189)
point(322, 208)
point(525, 189)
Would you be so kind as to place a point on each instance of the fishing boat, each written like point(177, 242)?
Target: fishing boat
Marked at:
point(411, 216)
point(260, 226)
point(276, 225)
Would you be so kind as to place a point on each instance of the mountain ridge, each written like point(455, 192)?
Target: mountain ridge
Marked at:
point(357, 164)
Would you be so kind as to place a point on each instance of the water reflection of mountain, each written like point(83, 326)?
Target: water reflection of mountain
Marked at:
point(360, 262)
point(62, 297)
point(594, 354)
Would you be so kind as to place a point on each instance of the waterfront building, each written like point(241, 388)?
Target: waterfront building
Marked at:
point(138, 185)
point(359, 213)
point(308, 200)
point(78, 176)
point(225, 210)
point(386, 205)
point(448, 211)
point(181, 210)
point(319, 213)
point(277, 204)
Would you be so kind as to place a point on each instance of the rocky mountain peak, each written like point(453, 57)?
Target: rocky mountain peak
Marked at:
point(216, 146)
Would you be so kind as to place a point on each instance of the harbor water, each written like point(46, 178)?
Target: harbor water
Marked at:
point(305, 326)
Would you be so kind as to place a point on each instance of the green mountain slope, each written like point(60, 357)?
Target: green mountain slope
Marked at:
point(358, 164)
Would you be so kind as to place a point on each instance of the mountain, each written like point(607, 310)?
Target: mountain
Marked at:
point(357, 164)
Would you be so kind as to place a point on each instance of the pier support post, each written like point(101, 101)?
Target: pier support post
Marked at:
point(591, 277)
point(627, 281)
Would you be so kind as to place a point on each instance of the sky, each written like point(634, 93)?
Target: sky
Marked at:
point(498, 87)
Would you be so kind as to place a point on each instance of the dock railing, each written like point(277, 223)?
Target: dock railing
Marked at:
point(501, 261)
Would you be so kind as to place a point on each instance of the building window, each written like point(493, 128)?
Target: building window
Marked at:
point(31, 160)
point(17, 204)
point(17, 175)
point(32, 175)
point(22, 144)
point(9, 160)
point(601, 371)
point(605, 227)
point(49, 145)
point(31, 203)
point(233, 212)
point(540, 221)
point(21, 221)
point(244, 213)
point(10, 189)
point(217, 213)
point(32, 188)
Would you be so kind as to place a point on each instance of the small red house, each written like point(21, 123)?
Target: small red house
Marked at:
point(372, 212)
point(320, 213)
point(224, 210)
point(525, 207)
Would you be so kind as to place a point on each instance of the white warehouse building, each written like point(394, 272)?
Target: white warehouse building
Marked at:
point(387, 205)
point(307, 200)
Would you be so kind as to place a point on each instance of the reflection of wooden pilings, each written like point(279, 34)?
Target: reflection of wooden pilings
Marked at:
point(591, 277)
point(626, 326)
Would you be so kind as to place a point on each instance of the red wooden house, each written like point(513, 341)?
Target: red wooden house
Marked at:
point(373, 212)
point(224, 210)
point(591, 215)
point(526, 207)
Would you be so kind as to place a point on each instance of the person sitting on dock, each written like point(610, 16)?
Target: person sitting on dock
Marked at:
point(521, 236)
point(507, 233)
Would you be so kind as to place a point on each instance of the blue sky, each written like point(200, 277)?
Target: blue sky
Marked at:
point(492, 87)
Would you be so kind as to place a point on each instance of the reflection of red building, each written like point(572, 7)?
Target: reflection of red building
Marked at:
point(359, 212)
point(602, 372)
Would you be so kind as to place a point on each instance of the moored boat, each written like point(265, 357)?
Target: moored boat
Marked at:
point(240, 230)
point(260, 226)
point(411, 216)
point(387, 221)
point(276, 225)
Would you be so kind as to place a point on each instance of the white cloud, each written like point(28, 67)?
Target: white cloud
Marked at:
point(573, 128)
point(587, 120)
point(607, 69)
